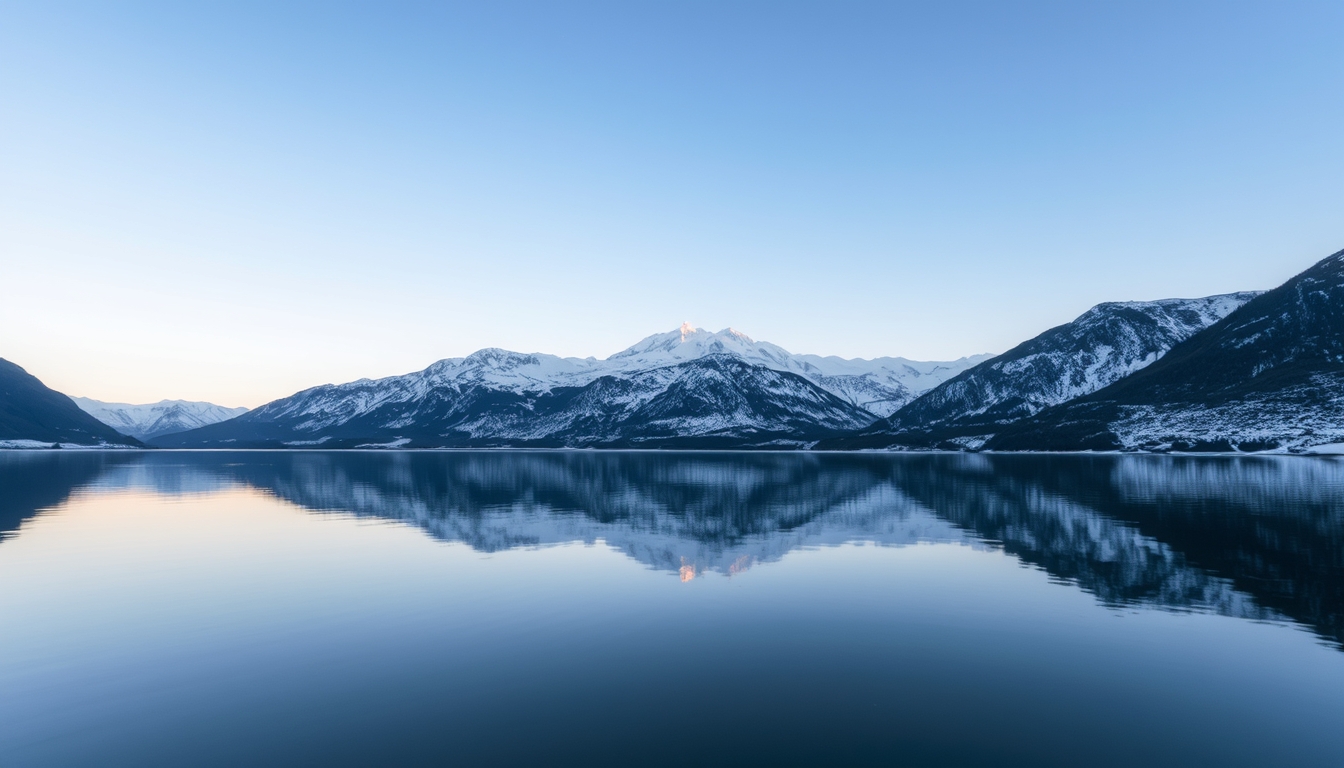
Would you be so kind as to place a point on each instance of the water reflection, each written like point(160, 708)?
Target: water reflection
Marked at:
point(1252, 537)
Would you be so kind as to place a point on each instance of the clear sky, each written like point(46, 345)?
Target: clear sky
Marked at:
point(232, 202)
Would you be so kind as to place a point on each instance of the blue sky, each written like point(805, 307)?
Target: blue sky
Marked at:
point(233, 202)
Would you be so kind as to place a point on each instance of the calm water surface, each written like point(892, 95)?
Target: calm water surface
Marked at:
point(490, 608)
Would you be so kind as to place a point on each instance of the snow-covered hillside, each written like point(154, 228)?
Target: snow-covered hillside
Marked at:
point(1269, 376)
point(151, 420)
point(1103, 345)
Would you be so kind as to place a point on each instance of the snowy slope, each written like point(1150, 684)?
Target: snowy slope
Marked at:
point(156, 419)
point(1269, 376)
point(1103, 345)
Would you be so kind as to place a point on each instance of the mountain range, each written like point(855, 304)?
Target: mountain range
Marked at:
point(145, 422)
point(687, 388)
point(1247, 371)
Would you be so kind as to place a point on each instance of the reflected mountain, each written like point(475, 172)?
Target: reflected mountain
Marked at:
point(33, 481)
point(688, 513)
point(1260, 538)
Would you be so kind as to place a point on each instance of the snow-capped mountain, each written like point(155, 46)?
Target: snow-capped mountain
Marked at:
point(491, 399)
point(34, 416)
point(688, 385)
point(1268, 376)
point(1103, 345)
point(156, 419)
point(879, 386)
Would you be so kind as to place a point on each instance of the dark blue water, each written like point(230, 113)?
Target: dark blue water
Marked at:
point(493, 608)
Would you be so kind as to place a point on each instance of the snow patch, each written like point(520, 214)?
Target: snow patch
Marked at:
point(398, 443)
point(24, 444)
point(28, 445)
point(1328, 449)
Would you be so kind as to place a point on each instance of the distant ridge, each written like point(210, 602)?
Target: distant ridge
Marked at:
point(145, 422)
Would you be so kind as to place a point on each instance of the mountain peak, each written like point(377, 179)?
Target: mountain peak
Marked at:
point(494, 357)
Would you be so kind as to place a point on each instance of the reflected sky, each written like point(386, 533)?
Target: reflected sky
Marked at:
point(165, 608)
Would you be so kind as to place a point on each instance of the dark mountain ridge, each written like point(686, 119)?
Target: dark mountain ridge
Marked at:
point(30, 411)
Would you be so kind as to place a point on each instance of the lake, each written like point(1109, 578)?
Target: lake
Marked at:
point(168, 608)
